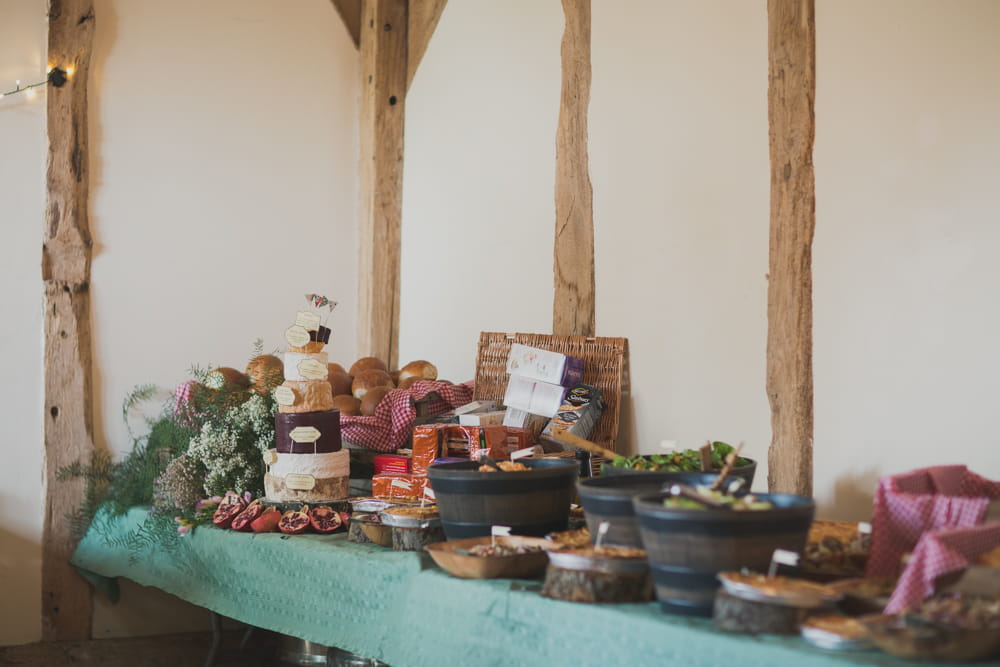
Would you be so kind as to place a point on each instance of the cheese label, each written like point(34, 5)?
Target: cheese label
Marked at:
point(270, 457)
point(400, 484)
point(311, 369)
point(297, 336)
point(864, 528)
point(304, 434)
point(527, 451)
point(300, 482)
point(284, 396)
point(500, 531)
point(306, 320)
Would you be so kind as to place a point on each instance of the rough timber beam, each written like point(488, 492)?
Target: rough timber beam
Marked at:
point(423, 19)
point(573, 305)
point(791, 38)
point(383, 96)
point(350, 14)
point(66, 253)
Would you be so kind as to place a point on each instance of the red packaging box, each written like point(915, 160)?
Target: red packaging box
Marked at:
point(394, 464)
point(432, 441)
point(383, 487)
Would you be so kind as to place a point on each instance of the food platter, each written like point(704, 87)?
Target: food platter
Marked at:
point(778, 590)
point(836, 633)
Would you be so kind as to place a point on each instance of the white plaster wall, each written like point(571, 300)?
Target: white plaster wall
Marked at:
point(907, 236)
point(907, 212)
point(224, 187)
point(22, 197)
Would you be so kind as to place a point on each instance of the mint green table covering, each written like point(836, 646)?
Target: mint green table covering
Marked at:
point(398, 607)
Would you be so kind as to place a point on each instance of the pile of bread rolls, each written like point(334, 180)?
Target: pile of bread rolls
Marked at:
point(359, 390)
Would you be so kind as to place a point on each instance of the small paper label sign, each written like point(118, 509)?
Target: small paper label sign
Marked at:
point(500, 531)
point(400, 484)
point(306, 320)
point(305, 434)
point(311, 369)
point(864, 528)
point(270, 457)
point(429, 493)
point(527, 451)
point(602, 530)
point(284, 396)
point(300, 482)
point(296, 336)
point(782, 557)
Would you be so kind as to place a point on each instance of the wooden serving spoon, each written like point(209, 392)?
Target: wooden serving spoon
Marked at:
point(730, 462)
point(576, 441)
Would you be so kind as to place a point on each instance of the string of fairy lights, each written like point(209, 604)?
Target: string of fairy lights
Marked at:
point(56, 77)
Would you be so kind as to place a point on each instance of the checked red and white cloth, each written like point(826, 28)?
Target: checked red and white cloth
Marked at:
point(929, 499)
point(939, 553)
point(390, 427)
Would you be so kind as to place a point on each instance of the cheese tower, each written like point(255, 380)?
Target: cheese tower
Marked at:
point(309, 464)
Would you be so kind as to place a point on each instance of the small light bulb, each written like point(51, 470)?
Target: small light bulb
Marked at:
point(17, 83)
point(31, 93)
point(69, 72)
point(50, 67)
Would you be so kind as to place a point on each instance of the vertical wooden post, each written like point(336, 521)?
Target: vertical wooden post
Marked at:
point(66, 253)
point(791, 102)
point(573, 305)
point(383, 86)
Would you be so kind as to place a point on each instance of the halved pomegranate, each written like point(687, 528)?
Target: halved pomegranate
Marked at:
point(245, 518)
point(345, 517)
point(294, 522)
point(266, 522)
point(324, 519)
point(232, 504)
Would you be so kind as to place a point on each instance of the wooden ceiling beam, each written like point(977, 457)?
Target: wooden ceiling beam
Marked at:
point(423, 19)
point(574, 296)
point(66, 254)
point(791, 40)
point(350, 14)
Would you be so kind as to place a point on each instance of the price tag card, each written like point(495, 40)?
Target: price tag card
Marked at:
point(296, 336)
point(527, 451)
point(305, 434)
point(306, 320)
point(864, 528)
point(311, 369)
point(284, 396)
point(500, 531)
point(602, 530)
point(402, 484)
point(300, 482)
point(782, 557)
point(429, 493)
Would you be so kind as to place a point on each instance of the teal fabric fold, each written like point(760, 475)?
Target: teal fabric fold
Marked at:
point(398, 607)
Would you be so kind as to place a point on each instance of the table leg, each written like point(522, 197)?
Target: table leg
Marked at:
point(216, 638)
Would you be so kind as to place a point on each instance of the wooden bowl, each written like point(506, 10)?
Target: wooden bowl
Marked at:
point(451, 557)
point(929, 642)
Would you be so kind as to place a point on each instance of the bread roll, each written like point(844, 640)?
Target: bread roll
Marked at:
point(337, 367)
point(420, 369)
point(405, 384)
point(394, 376)
point(366, 364)
point(340, 382)
point(266, 372)
point(226, 377)
point(370, 379)
point(347, 404)
point(371, 400)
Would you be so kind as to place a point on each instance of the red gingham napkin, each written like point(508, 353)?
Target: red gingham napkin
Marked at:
point(939, 553)
point(390, 426)
point(928, 499)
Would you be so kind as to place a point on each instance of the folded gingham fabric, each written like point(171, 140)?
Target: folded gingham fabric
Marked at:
point(939, 553)
point(390, 427)
point(928, 499)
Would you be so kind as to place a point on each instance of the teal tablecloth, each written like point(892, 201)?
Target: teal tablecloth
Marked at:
point(398, 607)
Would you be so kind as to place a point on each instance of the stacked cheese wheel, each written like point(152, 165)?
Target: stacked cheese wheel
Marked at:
point(309, 463)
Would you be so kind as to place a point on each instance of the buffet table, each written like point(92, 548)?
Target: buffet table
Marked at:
point(398, 607)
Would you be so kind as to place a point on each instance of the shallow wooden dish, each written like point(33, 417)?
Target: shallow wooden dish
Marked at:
point(927, 642)
point(451, 558)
